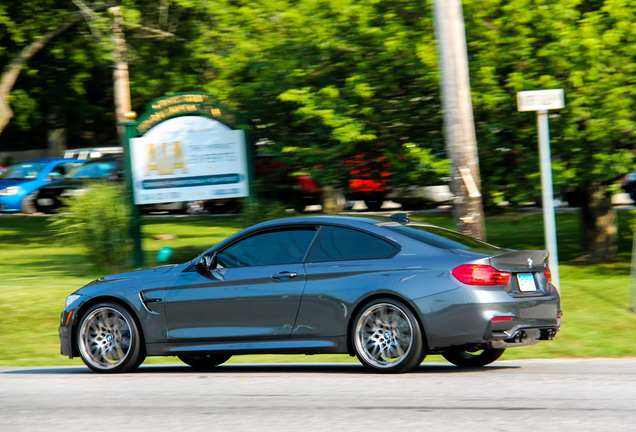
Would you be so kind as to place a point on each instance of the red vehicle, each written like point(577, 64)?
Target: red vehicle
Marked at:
point(369, 181)
point(281, 182)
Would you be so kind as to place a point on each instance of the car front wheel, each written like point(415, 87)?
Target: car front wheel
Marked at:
point(28, 204)
point(109, 340)
point(387, 337)
point(473, 358)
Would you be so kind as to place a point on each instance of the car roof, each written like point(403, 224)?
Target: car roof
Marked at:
point(46, 160)
point(352, 221)
point(103, 159)
point(349, 220)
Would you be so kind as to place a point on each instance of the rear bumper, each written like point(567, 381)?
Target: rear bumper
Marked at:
point(492, 318)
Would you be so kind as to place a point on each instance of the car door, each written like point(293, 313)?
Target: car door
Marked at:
point(343, 265)
point(254, 293)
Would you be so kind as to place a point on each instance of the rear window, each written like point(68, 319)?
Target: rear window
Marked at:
point(441, 237)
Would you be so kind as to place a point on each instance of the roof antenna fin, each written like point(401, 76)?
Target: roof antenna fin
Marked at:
point(401, 218)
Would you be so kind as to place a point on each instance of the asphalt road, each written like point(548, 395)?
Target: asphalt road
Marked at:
point(529, 395)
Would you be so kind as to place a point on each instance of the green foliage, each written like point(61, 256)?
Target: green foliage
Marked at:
point(100, 221)
point(254, 211)
point(324, 81)
point(586, 48)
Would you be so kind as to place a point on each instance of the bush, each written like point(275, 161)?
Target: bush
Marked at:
point(100, 221)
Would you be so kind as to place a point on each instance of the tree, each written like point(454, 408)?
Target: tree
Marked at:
point(19, 32)
point(587, 48)
point(68, 84)
point(323, 81)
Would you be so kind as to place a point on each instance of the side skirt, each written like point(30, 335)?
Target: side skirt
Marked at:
point(336, 345)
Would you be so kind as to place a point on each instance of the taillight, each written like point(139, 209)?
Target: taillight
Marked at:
point(480, 274)
point(548, 274)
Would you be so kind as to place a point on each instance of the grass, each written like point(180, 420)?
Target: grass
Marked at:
point(39, 271)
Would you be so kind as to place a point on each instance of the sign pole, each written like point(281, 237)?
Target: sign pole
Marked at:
point(547, 193)
point(135, 223)
point(541, 101)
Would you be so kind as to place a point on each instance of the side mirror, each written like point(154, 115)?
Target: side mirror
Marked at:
point(207, 262)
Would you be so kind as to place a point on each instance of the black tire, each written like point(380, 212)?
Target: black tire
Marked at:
point(109, 340)
point(387, 338)
point(205, 362)
point(28, 204)
point(373, 204)
point(473, 358)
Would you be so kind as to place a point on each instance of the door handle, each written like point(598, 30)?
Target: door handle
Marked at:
point(285, 275)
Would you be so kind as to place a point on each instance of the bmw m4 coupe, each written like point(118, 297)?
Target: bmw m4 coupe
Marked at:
point(386, 290)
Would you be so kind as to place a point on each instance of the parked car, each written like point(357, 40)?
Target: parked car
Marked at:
point(92, 152)
point(369, 180)
point(418, 197)
point(283, 183)
point(383, 289)
point(49, 198)
point(20, 182)
point(103, 168)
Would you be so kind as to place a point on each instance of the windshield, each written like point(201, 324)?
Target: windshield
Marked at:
point(441, 237)
point(96, 170)
point(24, 171)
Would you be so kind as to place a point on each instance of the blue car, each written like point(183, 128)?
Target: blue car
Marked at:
point(20, 182)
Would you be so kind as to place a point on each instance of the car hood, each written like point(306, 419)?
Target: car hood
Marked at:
point(138, 280)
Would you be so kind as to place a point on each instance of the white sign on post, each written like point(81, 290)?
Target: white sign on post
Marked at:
point(540, 100)
point(187, 159)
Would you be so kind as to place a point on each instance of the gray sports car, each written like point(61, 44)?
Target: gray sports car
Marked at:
point(386, 290)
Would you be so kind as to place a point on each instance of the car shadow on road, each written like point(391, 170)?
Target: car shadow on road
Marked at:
point(297, 368)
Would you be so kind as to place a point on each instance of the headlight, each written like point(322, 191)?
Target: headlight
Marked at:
point(10, 191)
point(70, 299)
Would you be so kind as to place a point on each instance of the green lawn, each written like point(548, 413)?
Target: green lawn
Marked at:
point(39, 271)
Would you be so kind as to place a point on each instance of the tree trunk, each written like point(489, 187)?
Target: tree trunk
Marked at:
point(598, 222)
point(333, 200)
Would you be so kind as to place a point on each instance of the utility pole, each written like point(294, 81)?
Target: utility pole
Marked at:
point(459, 124)
point(120, 70)
point(126, 126)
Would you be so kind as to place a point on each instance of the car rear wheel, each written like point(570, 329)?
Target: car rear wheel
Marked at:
point(473, 358)
point(109, 340)
point(205, 361)
point(387, 337)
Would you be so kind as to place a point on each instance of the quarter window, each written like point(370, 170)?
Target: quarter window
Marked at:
point(340, 244)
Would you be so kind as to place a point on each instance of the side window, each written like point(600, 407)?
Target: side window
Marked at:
point(63, 168)
point(339, 244)
point(269, 248)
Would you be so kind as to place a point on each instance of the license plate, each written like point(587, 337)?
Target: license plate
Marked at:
point(45, 201)
point(526, 282)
